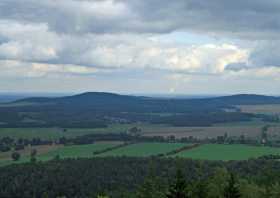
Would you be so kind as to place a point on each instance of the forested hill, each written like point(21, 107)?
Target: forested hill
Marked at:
point(246, 99)
point(98, 98)
point(97, 109)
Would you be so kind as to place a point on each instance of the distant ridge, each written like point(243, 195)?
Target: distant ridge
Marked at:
point(83, 97)
point(99, 109)
point(240, 99)
point(105, 97)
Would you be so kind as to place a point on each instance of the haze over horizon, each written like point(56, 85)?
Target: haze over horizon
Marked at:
point(189, 47)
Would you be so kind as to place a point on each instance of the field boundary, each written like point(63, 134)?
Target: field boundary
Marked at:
point(112, 148)
point(185, 148)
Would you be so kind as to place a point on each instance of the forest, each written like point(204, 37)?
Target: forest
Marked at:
point(142, 177)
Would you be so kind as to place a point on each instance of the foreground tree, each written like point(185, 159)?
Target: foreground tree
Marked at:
point(151, 188)
point(15, 156)
point(273, 191)
point(33, 155)
point(231, 190)
point(249, 189)
point(199, 190)
point(217, 183)
point(178, 189)
point(102, 196)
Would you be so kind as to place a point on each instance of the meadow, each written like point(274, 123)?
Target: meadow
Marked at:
point(49, 152)
point(144, 149)
point(227, 152)
point(45, 153)
point(77, 151)
point(203, 152)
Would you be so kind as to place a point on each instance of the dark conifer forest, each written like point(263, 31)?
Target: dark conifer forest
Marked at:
point(141, 177)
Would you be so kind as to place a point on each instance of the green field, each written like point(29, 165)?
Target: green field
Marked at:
point(204, 152)
point(144, 149)
point(227, 152)
point(75, 151)
point(86, 151)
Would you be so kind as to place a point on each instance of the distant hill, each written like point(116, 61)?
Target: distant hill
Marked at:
point(95, 98)
point(84, 97)
point(245, 99)
point(98, 109)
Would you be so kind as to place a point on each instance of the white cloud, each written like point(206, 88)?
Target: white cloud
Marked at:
point(108, 51)
point(19, 69)
point(107, 37)
point(27, 42)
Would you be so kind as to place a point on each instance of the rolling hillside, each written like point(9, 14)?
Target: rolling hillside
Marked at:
point(98, 109)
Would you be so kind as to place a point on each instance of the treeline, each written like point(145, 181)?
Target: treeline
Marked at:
point(205, 119)
point(8, 143)
point(137, 137)
point(141, 177)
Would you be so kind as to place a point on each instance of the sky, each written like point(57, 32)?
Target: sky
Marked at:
point(140, 46)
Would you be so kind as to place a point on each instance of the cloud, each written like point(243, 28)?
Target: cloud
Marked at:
point(10, 68)
point(27, 42)
point(130, 38)
point(263, 54)
point(36, 44)
point(237, 66)
point(253, 19)
point(266, 53)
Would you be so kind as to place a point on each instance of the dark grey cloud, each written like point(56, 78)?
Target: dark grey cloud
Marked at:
point(236, 66)
point(251, 19)
point(266, 54)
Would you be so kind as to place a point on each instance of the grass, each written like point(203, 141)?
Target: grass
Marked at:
point(227, 152)
point(5, 157)
point(75, 151)
point(144, 149)
point(203, 152)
